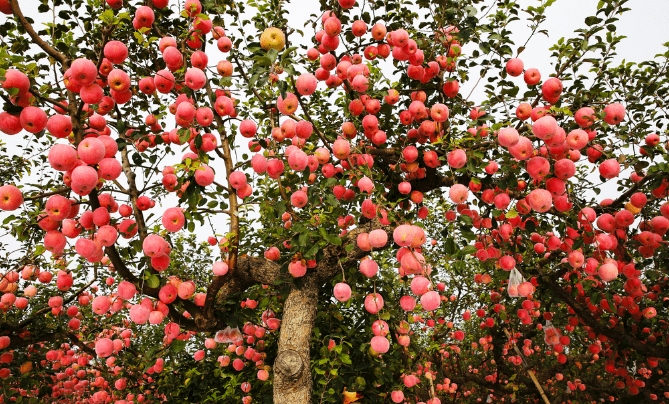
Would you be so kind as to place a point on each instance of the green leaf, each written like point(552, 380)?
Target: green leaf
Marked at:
point(272, 54)
point(153, 281)
point(468, 234)
point(39, 250)
point(470, 249)
point(312, 251)
point(137, 159)
point(184, 136)
point(282, 88)
point(592, 20)
point(332, 201)
point(302, 239)
point(450, 246)
point(289, 70)
point(178, 345)
point(120, 128)
point(530, 225)
point(334, 239)
point(253, 79)
point(263, 61)
point(288, 51)
point(466, 219)
point(107, 16)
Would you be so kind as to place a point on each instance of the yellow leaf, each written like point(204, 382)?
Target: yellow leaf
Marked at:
point(351, 396)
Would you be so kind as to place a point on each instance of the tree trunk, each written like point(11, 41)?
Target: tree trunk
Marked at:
point(292, 370)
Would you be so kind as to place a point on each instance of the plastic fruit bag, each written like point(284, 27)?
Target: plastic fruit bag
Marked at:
point(525, 289)
point(551, 334)
point(515, 279)
point(229, 335)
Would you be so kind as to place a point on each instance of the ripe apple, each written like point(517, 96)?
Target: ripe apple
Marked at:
point(532, 76)
point(514, 67)
point(272, 38)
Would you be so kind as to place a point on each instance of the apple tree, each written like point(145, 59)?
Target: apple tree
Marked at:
point(206, 201)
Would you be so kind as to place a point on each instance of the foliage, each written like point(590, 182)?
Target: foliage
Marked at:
point(594, 257)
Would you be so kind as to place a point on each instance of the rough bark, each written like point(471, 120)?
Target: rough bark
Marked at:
point(292, 370)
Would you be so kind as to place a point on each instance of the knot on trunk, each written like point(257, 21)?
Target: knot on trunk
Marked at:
point(289, 363)
point(205, 324)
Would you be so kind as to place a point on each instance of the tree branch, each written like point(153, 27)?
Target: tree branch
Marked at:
point(36, 38)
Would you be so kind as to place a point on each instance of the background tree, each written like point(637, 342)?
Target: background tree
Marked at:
point(195, 217)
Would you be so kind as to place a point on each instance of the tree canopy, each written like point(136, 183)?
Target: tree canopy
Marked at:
point(198, 207)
